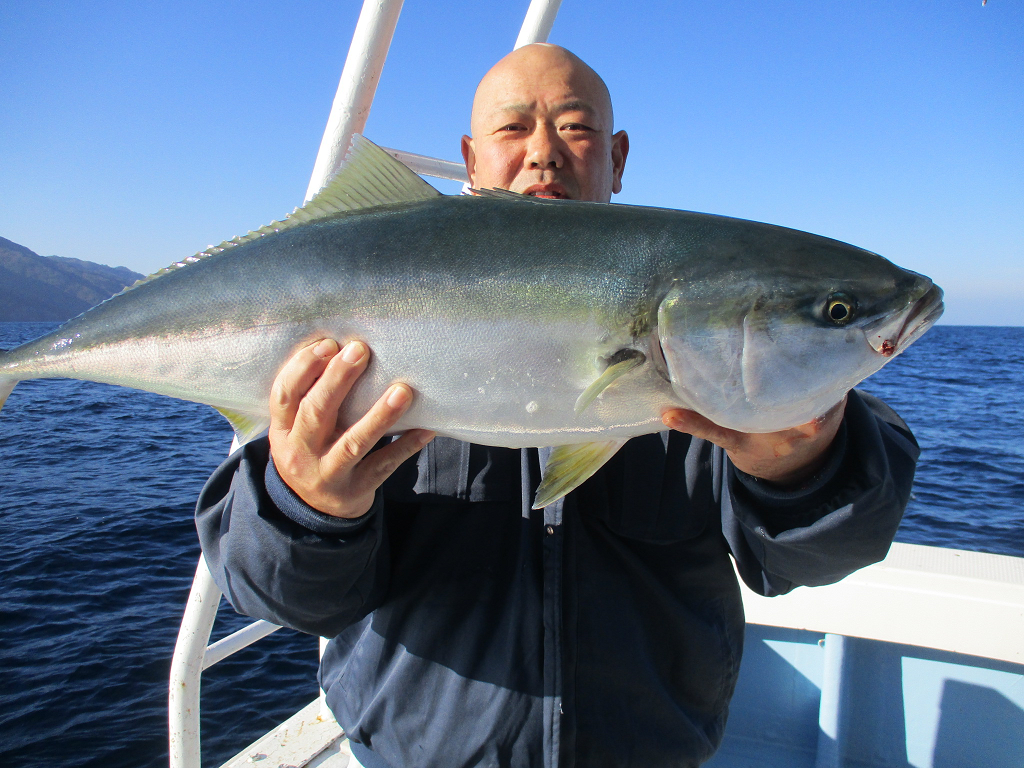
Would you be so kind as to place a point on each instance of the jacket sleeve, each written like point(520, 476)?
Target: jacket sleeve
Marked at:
point(841, 520)
point(278, 559)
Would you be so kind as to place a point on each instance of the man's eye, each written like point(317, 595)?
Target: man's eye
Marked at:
point(576, 127)
point(511, 127)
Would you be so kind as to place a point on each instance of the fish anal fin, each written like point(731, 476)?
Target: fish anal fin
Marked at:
point(621, 363)
point(569, 466)
point(246, 425)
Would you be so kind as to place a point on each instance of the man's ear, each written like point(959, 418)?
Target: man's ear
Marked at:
point(620, 148)
point(469, 157)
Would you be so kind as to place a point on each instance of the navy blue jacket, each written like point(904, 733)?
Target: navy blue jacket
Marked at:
point(603, 631)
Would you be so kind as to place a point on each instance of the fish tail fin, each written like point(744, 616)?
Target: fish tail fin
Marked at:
point(6, 382)
point(6, 387)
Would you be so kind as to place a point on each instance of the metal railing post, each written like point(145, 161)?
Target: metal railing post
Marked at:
point(187, 666)
point(359, 78)
point(540, 17)
point(832, 712)
point(349, 112)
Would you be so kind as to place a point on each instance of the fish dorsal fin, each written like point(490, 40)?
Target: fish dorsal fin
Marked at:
point(368, 177)
point(569, 466)
point(501, 194)
point(505, 194)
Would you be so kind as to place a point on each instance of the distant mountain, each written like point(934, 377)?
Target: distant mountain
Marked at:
point(39, 288)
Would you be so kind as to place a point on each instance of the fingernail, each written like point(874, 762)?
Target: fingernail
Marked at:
point(398, 396)
point(353, 352)
point(326, 348)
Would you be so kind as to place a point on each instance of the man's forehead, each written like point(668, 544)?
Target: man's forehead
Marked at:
point(542, 78)
point(557, 107)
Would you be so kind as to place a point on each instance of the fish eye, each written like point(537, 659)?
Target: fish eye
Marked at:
point(839, 308)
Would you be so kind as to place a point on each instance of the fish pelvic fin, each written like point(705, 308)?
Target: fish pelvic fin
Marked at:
point(369, 177)
point(569, 466)
point(247, 426)
point(621, 363)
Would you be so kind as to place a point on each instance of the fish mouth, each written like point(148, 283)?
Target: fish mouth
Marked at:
point(922, 315)
point(891, 335)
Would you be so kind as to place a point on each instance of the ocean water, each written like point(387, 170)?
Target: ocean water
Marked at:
point(98, 548)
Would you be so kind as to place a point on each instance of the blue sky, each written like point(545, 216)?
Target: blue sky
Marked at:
point(138, 133)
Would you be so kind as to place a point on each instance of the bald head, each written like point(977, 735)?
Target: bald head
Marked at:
point(542, 125)
point(540, 67)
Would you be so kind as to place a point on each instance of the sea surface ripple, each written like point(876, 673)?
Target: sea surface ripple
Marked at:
point(97, 491)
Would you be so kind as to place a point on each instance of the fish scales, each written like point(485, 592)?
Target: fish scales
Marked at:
point(518, 322)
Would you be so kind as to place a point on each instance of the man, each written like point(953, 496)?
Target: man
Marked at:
point(471, 630)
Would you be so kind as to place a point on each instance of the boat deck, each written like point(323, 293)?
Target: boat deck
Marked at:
point(304, 740)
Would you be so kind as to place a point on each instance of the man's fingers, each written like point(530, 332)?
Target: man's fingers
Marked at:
point(317, 415)
point(295, 380)
point(379, 465)
point(702, 427)
point(358, 439)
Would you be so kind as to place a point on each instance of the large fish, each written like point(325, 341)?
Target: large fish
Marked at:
point(518, 321)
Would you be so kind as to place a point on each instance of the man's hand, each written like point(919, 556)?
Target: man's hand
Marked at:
point(785, 458)
point(332, 469)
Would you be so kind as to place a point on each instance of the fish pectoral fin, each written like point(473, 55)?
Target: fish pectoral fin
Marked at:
point(569, 466)
point(621, 363)
point(246, 425)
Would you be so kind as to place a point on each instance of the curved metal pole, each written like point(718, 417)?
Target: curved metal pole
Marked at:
point(186, 667)
point(540, 17)
point(349, 112)
point(359, 78)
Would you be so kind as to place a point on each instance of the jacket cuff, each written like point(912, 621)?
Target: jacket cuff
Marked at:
point(298, 511)
point(810, 494)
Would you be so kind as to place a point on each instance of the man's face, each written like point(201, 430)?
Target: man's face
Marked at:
point(542, 126)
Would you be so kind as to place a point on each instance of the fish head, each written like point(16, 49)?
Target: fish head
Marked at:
point(779, 337)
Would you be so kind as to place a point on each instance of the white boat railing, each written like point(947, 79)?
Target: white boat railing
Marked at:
point(349, 112)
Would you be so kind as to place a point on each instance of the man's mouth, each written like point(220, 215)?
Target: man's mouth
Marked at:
point(548, 191)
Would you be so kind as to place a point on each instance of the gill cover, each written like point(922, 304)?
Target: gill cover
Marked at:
point(755, 361)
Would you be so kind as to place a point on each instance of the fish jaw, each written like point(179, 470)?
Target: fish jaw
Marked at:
point(892, 334)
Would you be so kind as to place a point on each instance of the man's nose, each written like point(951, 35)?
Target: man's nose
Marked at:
point(544, 151)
